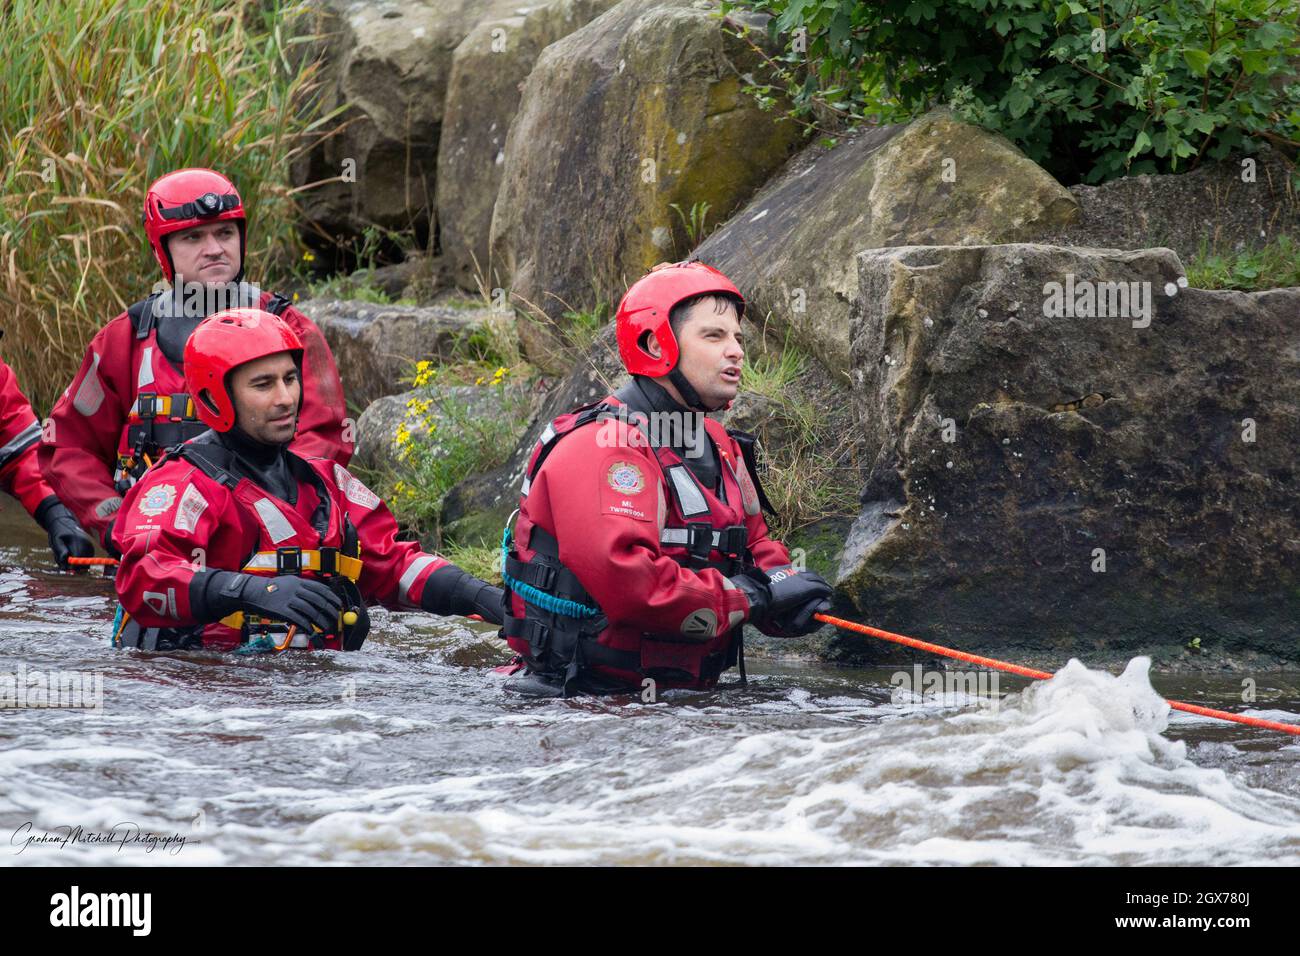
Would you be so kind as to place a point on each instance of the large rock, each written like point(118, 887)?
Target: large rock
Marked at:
point(1220, 207)
point(488, 71)
point(386, 65)
point(1111, 486)
point(376, 346)
point(937, 181)
point(638, 110)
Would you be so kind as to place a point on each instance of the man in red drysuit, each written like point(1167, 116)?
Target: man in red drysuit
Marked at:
point(128, 401)
point(233, 535)
point(641, 547)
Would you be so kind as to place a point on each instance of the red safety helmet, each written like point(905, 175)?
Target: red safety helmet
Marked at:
point(646, 306)
point(187, 198)
point(222, 342)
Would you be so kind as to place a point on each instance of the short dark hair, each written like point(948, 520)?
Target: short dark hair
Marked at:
point(677, 314)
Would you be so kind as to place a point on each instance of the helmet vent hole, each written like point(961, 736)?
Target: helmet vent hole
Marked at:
point(205, 397)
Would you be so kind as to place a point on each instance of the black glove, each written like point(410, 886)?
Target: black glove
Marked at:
point(785, 598)
point(450, 590)
point(489, 604)
point(107, 539)
point(67, 538)
point(285, 597)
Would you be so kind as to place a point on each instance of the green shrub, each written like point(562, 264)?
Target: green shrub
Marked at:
point(1089, 93)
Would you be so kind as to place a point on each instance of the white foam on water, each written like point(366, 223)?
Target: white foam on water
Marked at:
point(1072, 770)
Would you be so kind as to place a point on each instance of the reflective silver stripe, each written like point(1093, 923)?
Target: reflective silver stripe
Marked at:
point(547, 435)
point(523, 489)
point(264, 561)
point(273, 520)
point(146, 369)
point(682, 537)
point(409, 577)
point(689, 497)
point(107, 507)
point(24, 440)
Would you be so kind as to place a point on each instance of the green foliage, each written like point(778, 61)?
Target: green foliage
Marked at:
point(580, 328)
point(1088, 92)
point(103, 96)
point(693, 222)
point(440, 442)
point(1272, 266)
point(804, 477)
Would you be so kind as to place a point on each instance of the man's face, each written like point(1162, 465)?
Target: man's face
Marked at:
point(207, 253)
point(710, 341)
point(266, 392)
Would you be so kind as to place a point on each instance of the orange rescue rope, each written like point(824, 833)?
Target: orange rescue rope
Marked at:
point(91, 562)
point(1041, 675)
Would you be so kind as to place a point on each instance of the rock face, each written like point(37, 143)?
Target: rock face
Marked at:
point(1211, 207)
point(387, 65)
point(1111, 484)
point(376, 346)
point(488, 71)
point(937, 181)
point(641, 109)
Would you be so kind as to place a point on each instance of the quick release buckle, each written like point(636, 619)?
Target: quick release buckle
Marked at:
point(180, 403)
point(146, 405)
point(288, 560)
point(329, 560)
point(699, 539)
point(543, 575)
point(539, 638)
point(732, 540)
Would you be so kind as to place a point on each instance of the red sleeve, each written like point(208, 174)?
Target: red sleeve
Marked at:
point(79, 452)
point(608, 530)
point(167, 537)
point(394, 573)
point(20, 433)
point(323, 428)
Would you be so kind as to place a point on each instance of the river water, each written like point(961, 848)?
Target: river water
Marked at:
point(411, 752)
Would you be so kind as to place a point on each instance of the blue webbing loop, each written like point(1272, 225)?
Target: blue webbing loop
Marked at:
point(539, 598)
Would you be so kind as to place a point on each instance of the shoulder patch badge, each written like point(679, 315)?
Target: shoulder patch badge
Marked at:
point(625, 478)
point(193, 504)
point(353, 489)
point(157, 500)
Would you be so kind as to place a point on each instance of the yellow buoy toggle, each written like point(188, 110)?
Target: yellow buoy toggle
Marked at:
point(349, 618)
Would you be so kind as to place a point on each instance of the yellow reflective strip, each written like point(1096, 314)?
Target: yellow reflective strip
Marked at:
point(349, 567)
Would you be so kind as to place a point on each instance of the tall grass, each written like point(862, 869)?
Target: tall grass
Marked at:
point(100, 97)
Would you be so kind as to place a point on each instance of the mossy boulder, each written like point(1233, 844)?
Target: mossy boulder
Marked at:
point(1068, 466)
point(936, 181)
point(640, 110)
point(386, 65)
point(377, 346)
point(488, 71)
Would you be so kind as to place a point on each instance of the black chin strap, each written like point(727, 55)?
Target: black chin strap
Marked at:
point(689, 395)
